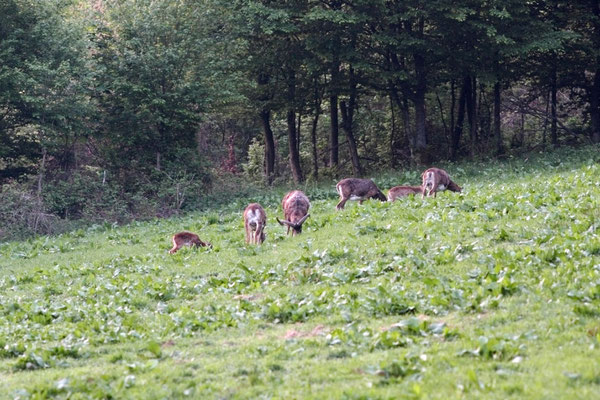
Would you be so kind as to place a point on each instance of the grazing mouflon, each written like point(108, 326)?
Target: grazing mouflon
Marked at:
point(187, 239)
point(255, 220)
point(357, 189)
point(403, 191)
point(437, 180)
point(295, 206)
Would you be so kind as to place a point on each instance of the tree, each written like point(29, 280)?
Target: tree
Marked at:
point(269, 34)
point(150, 88)
point(404, 49)
point(585, 21)
point(43, 82)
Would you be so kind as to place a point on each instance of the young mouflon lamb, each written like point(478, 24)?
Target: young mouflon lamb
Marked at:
point(403, 191)
point(187, 239)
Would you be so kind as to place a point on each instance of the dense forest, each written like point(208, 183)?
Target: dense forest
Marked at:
point(119, 109)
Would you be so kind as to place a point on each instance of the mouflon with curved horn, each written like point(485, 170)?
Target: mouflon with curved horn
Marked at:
point(295, 206)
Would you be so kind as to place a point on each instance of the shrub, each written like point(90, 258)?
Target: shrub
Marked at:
point(22, 213)
point(254, 167)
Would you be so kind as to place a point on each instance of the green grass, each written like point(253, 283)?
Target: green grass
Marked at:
point(492, 293)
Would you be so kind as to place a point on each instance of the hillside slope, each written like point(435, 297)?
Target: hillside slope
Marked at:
point(491, 293)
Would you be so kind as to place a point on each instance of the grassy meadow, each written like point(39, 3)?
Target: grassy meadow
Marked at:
point(491, 293)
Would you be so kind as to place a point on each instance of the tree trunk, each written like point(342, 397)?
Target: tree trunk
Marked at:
point(41, 173)
point(313, 131)
point(291, 122)
point(392, 134)
point(404, 107)
point(443, 118)
point(474, 127)
point(553, 120)
point(595, 108)
point(347, 122)
point(158, 143)
point(333, 110)
point(420, 139)
point(547, 98)
point(471, 98)
point(497, 121)
point(452, 105)
point(595, 90)
point(39, 200)
point(460, 118)
point(265, 116)
point(522, 130)
point(293, 147)
point(298, 131)
point(405, 110)
point(347, 125)
point(483, 134)
point(313, 137)
point(334, 132)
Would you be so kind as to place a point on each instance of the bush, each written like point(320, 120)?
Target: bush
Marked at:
point(22, 213)
point(254, 167)
point(91, 195)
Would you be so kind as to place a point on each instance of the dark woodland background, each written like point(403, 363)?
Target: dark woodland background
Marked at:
point(114, 110)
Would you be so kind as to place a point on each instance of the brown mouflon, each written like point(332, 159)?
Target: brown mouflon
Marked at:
point(357, 189)
point(187, 239)
point(295, 206)
point(437, 180)
point(255, 220)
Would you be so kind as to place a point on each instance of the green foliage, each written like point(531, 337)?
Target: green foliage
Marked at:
point(151, 87)
point(22, 214)
point(43, 83)
point(128, 86)
point(254, 167)
point(85, 197)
